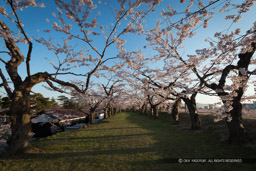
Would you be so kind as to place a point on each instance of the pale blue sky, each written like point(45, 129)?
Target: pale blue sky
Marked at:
point(35, 18)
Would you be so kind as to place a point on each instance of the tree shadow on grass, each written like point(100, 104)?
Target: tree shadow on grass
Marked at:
point(106, 129)
point(173, 142)
point(81, 154)
point(216, 129)
point(96, 137)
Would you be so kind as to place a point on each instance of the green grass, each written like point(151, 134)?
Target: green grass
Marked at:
point(129, 141)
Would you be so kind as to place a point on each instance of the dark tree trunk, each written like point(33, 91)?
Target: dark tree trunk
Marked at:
point(145, 111)
point(92, 112)
point(154, 111)
point(151, 112)
point(194, 117)
point(142, 109)
point(153, 107)
point(114, 110)
point(237, 132)
point(175, 111)
point(106, 113)
point(92, 117)
point(19, 141)
point(111, 111)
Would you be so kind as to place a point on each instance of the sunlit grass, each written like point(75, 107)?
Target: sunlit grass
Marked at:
point(129, 141)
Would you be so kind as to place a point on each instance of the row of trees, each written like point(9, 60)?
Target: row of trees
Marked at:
point(70, 17)
point(223, 68)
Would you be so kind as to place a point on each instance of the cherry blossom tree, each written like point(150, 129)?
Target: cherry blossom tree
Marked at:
point(20, 89)
point(94, 100)
point(112, 91)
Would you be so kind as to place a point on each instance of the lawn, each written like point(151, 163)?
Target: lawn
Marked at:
point(129, 141)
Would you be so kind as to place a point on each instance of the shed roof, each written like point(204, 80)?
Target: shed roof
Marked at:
point(63, 114)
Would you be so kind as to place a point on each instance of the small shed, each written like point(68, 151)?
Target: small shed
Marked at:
point(48, 122)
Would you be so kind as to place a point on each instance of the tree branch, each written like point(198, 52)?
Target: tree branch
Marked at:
point(5, 52)
point(64, 83)
point(108, 59)
point(5, 84)
point(224, 75)
point(3, 61)
point(16, 57)
point(26, 37)
point(55, 88)
point(69, 73)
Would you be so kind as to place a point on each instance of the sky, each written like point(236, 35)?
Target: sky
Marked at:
point(34, 19)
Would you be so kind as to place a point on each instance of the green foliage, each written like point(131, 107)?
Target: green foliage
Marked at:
point(39, 102)
point(129, 141)
point(69, 103)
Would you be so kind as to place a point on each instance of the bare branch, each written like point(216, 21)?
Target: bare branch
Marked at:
point(55, 88)
point(224, 75)
point(5, 84)
point(5, 52)
point(26, 37)
point(108, 59)
point(64, 83)
point(69, 73)
point(3, 61)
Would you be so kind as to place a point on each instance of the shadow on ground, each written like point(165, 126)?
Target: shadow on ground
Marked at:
point(130, 141)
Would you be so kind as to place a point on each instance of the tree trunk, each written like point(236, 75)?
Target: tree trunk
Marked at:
point(19, 141)
point(237, 132)
point(194, 117)
point(151, 112)
point(155, 112)
point(142, 109)
point(106, 113)
point(145, 111)
point(111, 111)
point(92, 117)
point(114, 111)
point(175, 111)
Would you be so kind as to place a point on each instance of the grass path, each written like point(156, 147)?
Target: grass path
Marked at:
point(128, 141)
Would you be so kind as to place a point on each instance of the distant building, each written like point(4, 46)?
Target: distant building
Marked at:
point(202, 106)
point(211, 106)
point(250, 106)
